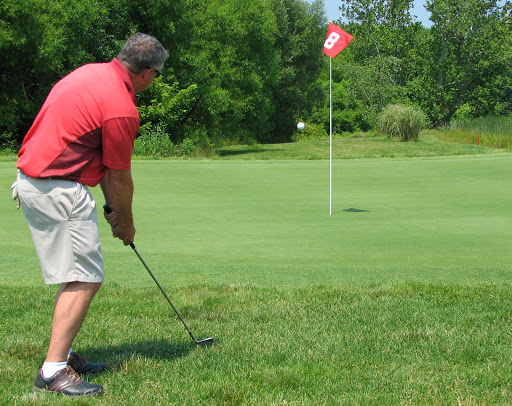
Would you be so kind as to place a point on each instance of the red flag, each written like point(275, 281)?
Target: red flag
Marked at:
point(336, 40)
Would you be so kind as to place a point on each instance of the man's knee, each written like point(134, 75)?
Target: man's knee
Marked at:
point(87, 287)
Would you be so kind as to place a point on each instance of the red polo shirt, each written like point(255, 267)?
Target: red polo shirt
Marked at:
point(87, 124)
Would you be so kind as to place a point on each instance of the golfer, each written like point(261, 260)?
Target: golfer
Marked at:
point(83, 136)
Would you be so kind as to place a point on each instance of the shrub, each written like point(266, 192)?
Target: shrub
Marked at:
point(8, 145)
point(197, 144)
point(310, 132)
point(153, 141)
point(404, 122)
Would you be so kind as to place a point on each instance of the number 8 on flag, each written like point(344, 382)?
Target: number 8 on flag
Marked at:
point(336, 40)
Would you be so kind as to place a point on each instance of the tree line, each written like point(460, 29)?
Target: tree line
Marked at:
point(460, 67)
point(247, 71)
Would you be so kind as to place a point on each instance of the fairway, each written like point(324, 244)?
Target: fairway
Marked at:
point(402, 296)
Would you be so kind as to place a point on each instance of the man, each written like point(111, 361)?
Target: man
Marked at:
point(83, 136)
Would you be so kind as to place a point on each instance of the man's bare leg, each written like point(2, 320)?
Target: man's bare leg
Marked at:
point(71, 306)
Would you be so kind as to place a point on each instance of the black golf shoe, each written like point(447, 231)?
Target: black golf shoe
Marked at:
point(67, 382)
point(82, 367)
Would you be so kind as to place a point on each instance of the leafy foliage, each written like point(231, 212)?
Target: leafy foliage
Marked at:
point(248, 73)
point(311, 131)
point(19, 34)
point(469, 54)
point(235, 73)
point(169, 107)
point(299, 40)
point(462, 62)
point(153, 142)
point(41, 42)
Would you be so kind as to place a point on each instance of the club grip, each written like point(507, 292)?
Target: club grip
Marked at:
point(107, 208)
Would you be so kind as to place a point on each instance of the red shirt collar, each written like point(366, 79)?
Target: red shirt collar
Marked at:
point(122, 72)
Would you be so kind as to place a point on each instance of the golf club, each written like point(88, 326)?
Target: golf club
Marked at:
point(108, 210)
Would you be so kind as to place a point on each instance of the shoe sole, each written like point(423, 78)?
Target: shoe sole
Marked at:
point(88, 394)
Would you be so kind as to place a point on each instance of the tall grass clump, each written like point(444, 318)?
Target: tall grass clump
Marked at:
point(403, 122)
point(491, 131)
point(486, 125)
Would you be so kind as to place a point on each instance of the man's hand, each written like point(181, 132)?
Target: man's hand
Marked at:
point(110, 216)
point(123, 232)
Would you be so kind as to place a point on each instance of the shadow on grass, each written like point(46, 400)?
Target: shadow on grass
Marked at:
point(228, 152)
point(352, 210)
point(116, 355)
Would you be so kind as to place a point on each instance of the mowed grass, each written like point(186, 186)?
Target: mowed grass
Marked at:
point(402, 296)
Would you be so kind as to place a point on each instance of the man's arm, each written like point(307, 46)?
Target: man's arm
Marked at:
point(117, 186)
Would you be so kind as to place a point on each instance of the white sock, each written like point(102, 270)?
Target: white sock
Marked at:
point(51, 368)
point(70, 351)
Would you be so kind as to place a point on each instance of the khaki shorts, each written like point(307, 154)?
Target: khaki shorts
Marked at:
point(61, 216)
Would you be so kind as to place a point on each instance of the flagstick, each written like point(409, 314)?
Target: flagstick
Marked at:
point(332, 48)
point(330, 136)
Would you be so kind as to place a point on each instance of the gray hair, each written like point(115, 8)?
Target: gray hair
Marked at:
point(142, 51)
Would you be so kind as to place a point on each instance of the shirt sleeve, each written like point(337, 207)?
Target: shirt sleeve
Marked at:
point(118, 136)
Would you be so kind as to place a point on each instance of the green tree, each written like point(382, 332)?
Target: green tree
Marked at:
point(300, 34)
point(382, 28)
point(231, 58)
point(237, 70)
point(40, 43)
point(469, 59)
point(384, 57)
point(20, 33)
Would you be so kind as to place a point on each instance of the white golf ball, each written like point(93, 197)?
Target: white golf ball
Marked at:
point(300, 125)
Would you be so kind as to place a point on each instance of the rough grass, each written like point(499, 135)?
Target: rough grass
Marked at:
point(403, 344)
point(492, 132)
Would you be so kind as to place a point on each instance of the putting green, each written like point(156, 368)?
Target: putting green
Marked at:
point(267, 222)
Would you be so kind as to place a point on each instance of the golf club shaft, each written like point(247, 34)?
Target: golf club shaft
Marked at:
point(161, 289)
point(108, 210)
